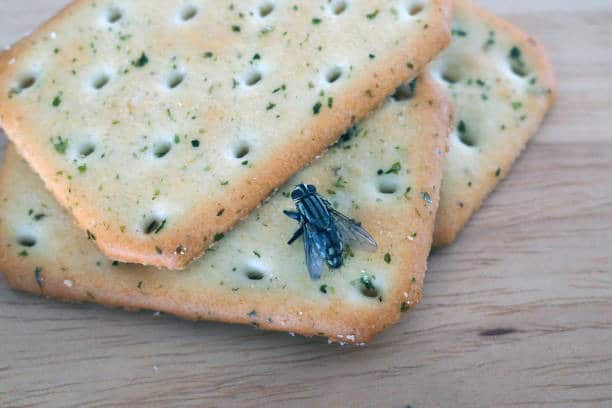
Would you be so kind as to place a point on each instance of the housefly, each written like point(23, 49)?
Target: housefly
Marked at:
point(325, 230)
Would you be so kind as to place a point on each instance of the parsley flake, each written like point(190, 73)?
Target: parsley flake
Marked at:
point(142, 61)
point(57, 101)
point(373, 14)
point(61, 145)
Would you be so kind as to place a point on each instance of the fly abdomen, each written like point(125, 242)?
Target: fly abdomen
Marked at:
point(334, 250)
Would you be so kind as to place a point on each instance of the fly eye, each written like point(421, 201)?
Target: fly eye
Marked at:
point(296, 194)
point(312, 189)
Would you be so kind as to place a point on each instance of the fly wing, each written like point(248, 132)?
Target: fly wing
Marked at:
point(350, 231)
point(314, 246)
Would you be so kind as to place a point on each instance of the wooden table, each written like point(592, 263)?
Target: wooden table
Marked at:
point(517, 313)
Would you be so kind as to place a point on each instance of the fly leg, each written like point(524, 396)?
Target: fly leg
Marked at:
point(294, 215)
point(298, 217)
point(297, 234)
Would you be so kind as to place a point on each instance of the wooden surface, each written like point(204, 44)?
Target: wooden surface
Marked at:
point(517, 313)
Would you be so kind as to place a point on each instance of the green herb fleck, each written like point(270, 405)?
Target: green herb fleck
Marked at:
point(257, 254)
point(316, 21)
point(366, 283)
point(330, 102)
point(270, 106)
point(316, 108)
point(266, 30)
point(219, 237)
point(142, 61)
point(372, 15)
point(388, 258)
point(348, 252)
point(394, 169)
point(280, 88)
point(195, 143)
point(82, 168)
point(208, 54)
point(236, 28)
point(498, 172)
point(60, 145)
point(458, 32)
point(57, 101)
point(517, 105)
point(340, 182)
point(490, 41)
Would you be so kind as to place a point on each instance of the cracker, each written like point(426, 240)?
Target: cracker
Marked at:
point(251, 275)
point(501, 86)
point(159, 125)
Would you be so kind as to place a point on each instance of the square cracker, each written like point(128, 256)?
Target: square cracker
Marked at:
point(386, 174)
point(501, 86)
point(159, 125)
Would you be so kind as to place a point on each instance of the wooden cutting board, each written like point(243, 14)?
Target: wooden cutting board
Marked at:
point(517, 313)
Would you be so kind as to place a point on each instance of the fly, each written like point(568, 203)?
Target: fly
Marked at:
point(325, 230)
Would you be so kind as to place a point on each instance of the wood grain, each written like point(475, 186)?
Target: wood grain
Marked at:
point(517, 313)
